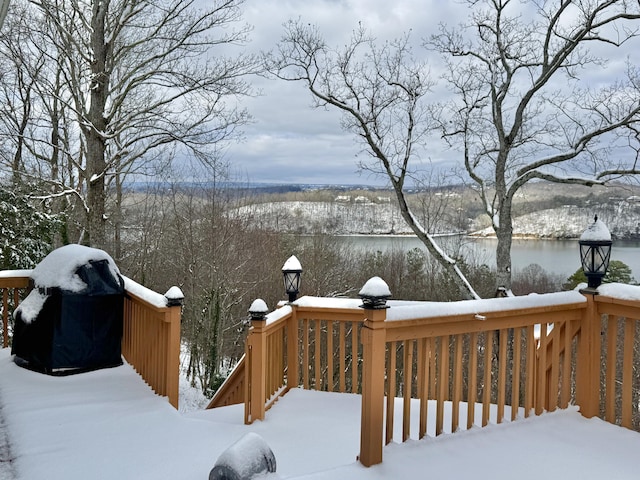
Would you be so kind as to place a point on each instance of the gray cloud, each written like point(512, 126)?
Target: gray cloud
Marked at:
point(289, 141)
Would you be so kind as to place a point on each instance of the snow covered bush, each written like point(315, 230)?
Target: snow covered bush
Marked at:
point(26, 234)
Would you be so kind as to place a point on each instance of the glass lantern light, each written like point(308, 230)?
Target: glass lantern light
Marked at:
point(595, 252)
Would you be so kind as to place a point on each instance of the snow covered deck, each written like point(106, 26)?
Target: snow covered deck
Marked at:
point(108, 424)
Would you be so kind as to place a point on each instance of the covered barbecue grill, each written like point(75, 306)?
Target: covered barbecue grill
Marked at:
point(72, 319)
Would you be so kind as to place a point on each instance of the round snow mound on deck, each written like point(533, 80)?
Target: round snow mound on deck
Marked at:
point(58, 269)
point(250, 457)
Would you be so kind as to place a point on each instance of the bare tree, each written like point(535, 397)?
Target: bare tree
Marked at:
point(524, 108)
point(184, 236)
point(381, 92)
point(147, 82)
point(35, 126)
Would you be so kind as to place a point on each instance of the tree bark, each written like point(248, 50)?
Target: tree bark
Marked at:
point(96, 130)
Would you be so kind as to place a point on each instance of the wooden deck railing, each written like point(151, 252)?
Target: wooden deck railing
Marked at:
point(617, 337)
point(474, 368)
point(151, 330)
point(467, 363)
point(14, 285)
point(151, 338)
point(313, 344)
point(232, 390)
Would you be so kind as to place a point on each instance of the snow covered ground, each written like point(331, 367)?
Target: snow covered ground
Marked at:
point(109, 425)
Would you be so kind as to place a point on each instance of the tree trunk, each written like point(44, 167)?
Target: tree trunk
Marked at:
point(95, 131)
point(117, 220)
point(504, 232)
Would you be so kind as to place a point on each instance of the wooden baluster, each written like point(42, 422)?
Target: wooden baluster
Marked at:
point(565, 391)
point(269, 366)
point(541, 389)
point(391, 391)
point(503, 339)
point(423, 384)
point(515, 376)
point(343, 356)
point(305, 354)
point(354, 357)
point(486, 388)
point(408, 380)
point(443, 382)
point(627, 372)
point(457, 384)
point(554, 378)
point(530, 368)
point(610, 373)
point(318, 355)
point(473, 379)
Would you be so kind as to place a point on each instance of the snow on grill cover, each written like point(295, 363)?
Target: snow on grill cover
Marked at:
point(71, 321)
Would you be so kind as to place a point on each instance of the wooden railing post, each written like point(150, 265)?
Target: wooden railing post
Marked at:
point(257, 370)
point(173, 317)
point(292, 349)
point(373, 373)
point(588, 359)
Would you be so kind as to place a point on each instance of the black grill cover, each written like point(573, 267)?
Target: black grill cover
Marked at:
point(74, 331)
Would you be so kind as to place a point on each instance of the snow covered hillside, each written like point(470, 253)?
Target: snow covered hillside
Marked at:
point(622, 219)
point(333, 218)
point(369, 218)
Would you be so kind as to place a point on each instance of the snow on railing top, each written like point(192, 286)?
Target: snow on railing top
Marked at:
point(328, 302)
point(278, 314)
point(154, 298)
point(621, 291)
point(412, 310)
point(407, 310)
point(15, 273)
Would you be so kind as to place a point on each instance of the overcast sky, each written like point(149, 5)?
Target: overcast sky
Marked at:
point(291, 142)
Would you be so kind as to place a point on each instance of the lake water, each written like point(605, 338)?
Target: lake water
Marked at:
point(556, 256)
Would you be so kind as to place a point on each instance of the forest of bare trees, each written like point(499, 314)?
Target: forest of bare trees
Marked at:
point(94, 94)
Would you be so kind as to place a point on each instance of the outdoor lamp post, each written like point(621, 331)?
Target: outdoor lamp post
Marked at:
point(595, 252)
point(374, 294)
point(291, 271)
